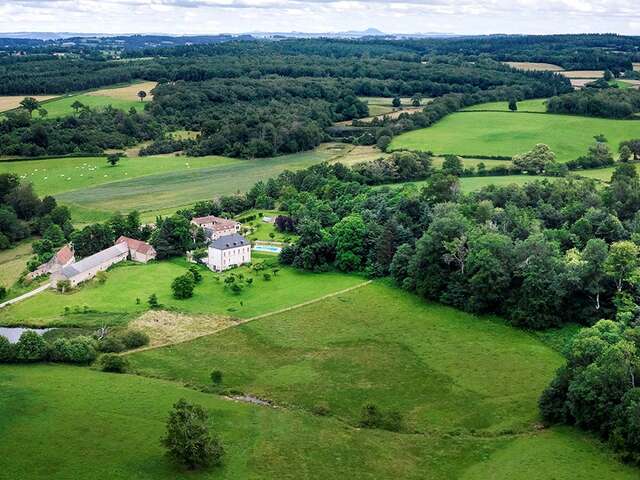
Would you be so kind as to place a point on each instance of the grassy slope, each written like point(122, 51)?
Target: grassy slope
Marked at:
point(443, 369)
point(506, 133)
point(536, 105)
point(471, 184)
point(13, 262)
point(65, 422)
point(115, 301)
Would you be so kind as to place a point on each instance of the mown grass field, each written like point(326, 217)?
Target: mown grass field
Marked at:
point(261, 230)
point(383, 105)
point(472, 184)
point(13, 262)
point(79, 423)
point(114, 302)
point(508, 134)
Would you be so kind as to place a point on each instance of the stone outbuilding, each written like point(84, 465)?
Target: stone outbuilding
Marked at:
point(139, 251)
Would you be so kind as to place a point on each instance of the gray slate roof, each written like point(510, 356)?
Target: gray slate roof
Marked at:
point(95, 260)
point(228, 242)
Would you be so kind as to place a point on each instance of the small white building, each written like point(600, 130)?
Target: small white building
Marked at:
point(228, 251)
point(216, 227)
point(88, 267)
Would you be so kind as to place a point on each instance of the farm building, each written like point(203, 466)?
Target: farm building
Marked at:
point(216, 227)
point(228, 251)
point(139, 251)
point(62, 258)
point(87, 268)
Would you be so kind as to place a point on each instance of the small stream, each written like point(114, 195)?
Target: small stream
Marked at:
point(13, 333)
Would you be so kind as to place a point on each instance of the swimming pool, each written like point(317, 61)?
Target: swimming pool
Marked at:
point(267, 248)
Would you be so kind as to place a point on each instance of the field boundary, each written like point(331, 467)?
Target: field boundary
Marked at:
point(238, 323)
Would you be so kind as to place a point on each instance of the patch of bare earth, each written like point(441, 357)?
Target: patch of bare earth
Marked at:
point(13, 101)
point(165, 327)
point(534, 66)
point(130, 92)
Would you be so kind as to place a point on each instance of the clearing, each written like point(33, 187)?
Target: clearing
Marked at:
point(511, 133)
point(537, 105)
point(535, 66)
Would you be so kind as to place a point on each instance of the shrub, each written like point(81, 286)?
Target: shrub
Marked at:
point(267, 277)
point(183, 286)
point(111, 344)
point(110, 362)
point(134, 338)
point(153, 301)
point(3, 292)
point(81, 350)
point(188, 440)
point(216, 377)
point(371, 417)
point(31, 347)
point(63, 285)
point(6, 350)
point(195, 271)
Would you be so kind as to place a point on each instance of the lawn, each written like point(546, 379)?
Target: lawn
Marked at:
point(443, 369)
point(114, 302)
point(507, 134)
point(262, 230)
point(79, 423)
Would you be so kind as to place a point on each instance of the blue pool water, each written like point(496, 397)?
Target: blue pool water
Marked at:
point(267, 248)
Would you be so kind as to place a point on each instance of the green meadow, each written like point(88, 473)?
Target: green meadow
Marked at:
point(114, 302)
point(511, 133)
point(537, 105)
point(61, 107)
point(79, 423)
point(472, 184)
point(95, 190)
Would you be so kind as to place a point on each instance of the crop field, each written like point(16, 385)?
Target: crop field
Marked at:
point(126, 92)
point(536, 106)
point(535, 66)
point(13, 101)
point(594, 74)
point(115, 301)
point(84, 429)
point(508, 134)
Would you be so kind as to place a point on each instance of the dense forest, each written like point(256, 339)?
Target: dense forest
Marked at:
point(252, 99)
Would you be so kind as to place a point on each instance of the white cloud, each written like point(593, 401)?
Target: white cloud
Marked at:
point(401, 16)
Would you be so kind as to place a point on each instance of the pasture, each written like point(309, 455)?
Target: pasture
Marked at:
point(84, 429)
point(115, 301)
point(383, 105)
point(154, 185)
point(13, 262)
point(61, 106)
point(508, 134)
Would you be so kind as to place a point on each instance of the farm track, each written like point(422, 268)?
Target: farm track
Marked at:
point(247, 320)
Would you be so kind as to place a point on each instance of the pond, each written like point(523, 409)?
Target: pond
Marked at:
point(13, 333)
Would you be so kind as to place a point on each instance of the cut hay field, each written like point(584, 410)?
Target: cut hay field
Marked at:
point(13, 101)
point(114, 302)
point(594, 74)
point(94, 425)
point(13, 262)
point(535, 66)
point(509, 133)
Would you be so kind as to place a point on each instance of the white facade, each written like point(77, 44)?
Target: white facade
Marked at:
point(228, 252)
point(87, 268)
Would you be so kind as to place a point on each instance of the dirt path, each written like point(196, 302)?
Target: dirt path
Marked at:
point(26, 295)
point(247, 320)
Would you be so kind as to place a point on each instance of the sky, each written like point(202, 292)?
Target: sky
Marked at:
point(315, 16)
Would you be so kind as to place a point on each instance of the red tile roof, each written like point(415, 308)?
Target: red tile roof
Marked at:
point(63, 256)
point(136, 245)
point(218, 223)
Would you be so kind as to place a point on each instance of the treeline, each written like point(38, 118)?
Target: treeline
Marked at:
point(87, 132)
point(598, 389)
point(23, 213)
point(607, 103)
